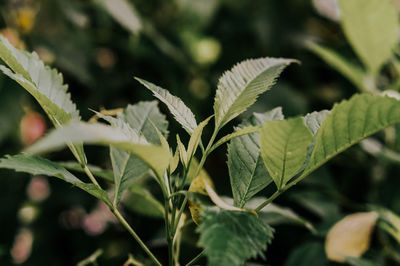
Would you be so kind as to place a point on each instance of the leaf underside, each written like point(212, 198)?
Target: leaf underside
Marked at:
point(240, 87)
point(180, 111)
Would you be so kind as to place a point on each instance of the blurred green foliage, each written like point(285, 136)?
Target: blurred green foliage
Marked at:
point(184, 46)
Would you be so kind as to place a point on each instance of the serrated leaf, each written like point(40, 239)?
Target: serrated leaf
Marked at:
point(179, 110)
point(240, 87)
point(284, 148)
point(314, 120)
point(146, 119)
point(348, 123)
point(371, 26)
point(352, 72)
point(230, 238)
point(96, 133)
point(37, 165)
point(44, 84)
point(247, 172)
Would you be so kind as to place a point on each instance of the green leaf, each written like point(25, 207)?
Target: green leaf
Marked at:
point(181, 112)
point(352, 72)
point(145, 118)
point(284, 148)
point(36, 165)
point(195, 139)
point(155, 156)
point(348, 123)
point(141, 201)
point(230, 238)
point(240, 87)
point(97, 171)
point(44, 84)
point(123, 12)
point(371, 26)
point(247, 172)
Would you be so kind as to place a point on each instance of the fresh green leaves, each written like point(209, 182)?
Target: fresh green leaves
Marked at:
point(348, 123)
point(231, 238)
point(372, 27)
point(246, 168)
point(284, 148)
point(181, 112)
point(352, 72)
point(44, 84)
point(36, 165)
point(240, 87)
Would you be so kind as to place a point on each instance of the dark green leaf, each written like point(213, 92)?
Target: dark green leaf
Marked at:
point(230, 238)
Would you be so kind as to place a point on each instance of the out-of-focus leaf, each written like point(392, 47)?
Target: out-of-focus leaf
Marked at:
point(141, 201)
point(372, 27)
point(388, 221)
point(360, 262)
point(155, 156)
point(124, 12)
point(352, 72)
point(351, 236)
point(311, 253)
point(231, 238)
point(36, 165)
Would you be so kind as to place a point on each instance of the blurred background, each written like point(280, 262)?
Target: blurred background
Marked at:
point(183, 46)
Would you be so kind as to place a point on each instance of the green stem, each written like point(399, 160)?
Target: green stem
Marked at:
point(90, 175)
point(195, 259)
point(178, 217)
point(168, 232)
point(135, 236)
point(269, 200)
